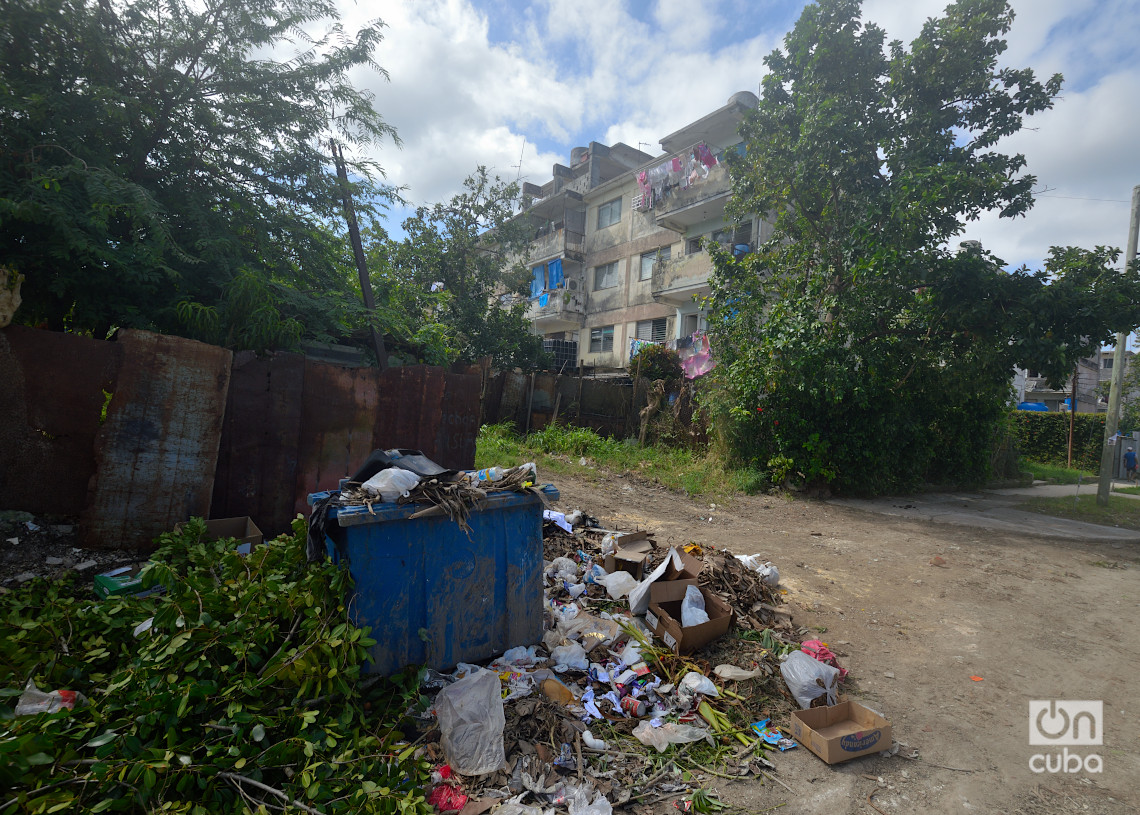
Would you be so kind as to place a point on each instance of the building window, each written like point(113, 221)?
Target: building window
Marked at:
point(689, 324)
point(1107, 362)
point(693, 245)
point(601, 339)
point(649, 258)
point(652, 330)
point(605, 277)
point(609, 213)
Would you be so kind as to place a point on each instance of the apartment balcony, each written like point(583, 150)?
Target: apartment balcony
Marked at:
point(558, 310)
point(555, 241)
point(681, 199)
point(677, 280)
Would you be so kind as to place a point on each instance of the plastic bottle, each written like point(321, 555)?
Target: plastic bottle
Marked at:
point(491, 474)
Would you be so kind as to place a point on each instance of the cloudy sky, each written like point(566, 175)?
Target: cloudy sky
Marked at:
point(515, 85)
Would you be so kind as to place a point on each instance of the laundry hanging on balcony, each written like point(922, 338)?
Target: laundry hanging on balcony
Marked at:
point(554, 274)
point(538, 283)
point(543, 299)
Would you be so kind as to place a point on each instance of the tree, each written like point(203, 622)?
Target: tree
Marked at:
point(856, 347)
point(474, 247)
point(162, 158)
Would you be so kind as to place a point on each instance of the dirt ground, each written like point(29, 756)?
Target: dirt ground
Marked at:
point(1036, 619)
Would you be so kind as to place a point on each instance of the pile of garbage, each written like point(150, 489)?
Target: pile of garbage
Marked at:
point(612, 709)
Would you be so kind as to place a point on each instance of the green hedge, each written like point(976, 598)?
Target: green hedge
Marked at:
point(1044, 437)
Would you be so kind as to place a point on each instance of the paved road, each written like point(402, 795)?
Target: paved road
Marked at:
point(997, 510)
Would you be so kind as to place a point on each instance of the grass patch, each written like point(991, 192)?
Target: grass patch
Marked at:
point(1056, 473)
point(1127, 490)
point(1120, 512)
point(559, 449)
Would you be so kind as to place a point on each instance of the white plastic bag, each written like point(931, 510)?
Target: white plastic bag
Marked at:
point(695, 683)
point(808, 679)
point(738, 674)
point(471, 722)
point(618, 584)
point(693, 608)
point(768, 573)
point(668, 733)
point(390, 483)
point(563, 568)
point(580, 804)
point(571, 656)
point(639, 596)
point(33, 700)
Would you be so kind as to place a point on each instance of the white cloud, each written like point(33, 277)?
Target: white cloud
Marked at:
point(581, 70)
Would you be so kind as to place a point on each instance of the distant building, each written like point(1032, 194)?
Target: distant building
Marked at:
point(615, 254)
point(1091, 372)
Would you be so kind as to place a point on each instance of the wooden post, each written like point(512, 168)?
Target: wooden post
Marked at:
point(1072, 413)
point(633, 402)
point(578, 418)
point(358, 254)
point(529, 403)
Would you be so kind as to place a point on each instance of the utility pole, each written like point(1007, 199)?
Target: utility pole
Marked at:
point(1116, 385)
point(358, 253)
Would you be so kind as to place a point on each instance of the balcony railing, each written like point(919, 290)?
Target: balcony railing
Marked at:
point(685, 178)
point(553, 241)
point(558, 306)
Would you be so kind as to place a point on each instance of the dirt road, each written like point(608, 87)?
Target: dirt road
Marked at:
point(1037, 619)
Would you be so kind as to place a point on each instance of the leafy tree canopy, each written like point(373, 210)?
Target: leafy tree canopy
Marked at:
point(857, 347)
point(473, 246)
point(162, 168)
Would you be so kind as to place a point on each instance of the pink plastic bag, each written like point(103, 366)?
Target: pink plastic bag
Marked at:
point(816, 649)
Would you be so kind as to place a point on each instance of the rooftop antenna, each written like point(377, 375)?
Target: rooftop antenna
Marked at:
point(646, 143)
point(519, 165)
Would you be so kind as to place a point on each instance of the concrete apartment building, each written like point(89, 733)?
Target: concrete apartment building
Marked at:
point(1090, 374)
point(615, 254)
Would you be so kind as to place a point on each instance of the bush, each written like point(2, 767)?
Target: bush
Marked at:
point(1044, 437)
point(655, 362)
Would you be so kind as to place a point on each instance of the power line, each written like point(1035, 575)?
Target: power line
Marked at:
point(1079, 198)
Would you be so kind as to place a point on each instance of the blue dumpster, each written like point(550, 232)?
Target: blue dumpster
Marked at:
point(431, 595)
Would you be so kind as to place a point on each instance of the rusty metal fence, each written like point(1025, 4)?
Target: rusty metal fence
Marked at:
point(140, 433)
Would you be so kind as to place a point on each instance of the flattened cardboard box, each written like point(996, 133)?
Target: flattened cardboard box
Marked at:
point(664, 616)
point(841, 732)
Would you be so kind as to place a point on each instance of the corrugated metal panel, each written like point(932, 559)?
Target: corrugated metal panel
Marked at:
point(347, 414)
point(257, 460)
point(51, 397)
point(339, 407)
point(157, 452)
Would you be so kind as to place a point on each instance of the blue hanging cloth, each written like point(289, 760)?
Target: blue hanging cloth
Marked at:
point(539, 282)
point(555, 271)
point(543, 300)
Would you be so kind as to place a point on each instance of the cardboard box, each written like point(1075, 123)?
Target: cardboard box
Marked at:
point(633, 550)
point(664, 616)
point(243, 529)
point(841, 732)
point(689, 571)
point(122, 582)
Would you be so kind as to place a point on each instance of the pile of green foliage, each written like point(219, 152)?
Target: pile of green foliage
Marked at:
point(1044, 437)
point(244, 690)
point(855, 346)
point(655, 362)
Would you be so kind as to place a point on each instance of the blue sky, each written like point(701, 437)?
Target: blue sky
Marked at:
point(487, 81)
